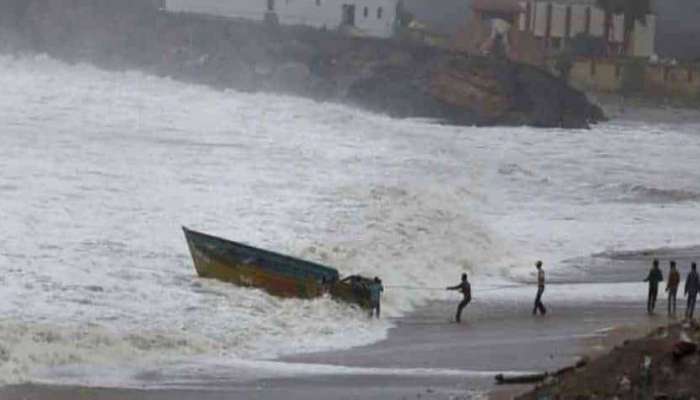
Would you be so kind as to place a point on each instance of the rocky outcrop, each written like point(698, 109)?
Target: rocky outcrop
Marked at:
point(499, 92)
point(398, 78)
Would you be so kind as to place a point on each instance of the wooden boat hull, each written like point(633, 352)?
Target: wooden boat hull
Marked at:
point(246, 266)
point(275, 273)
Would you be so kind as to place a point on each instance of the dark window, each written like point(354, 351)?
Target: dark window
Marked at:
point(690, 75)
point(588, 21)
point(618, 70)
point(567, 27)
point(270, 5)
point(349, 14)
point(548, 29)
point(380, 13)
point(528, 16)
point(593, 67)
point(318, 2)
point(365, 12)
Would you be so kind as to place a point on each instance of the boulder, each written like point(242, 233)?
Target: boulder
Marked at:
point(499, 92)
point(486, 89)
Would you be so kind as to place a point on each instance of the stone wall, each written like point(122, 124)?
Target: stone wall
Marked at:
point(608, 76)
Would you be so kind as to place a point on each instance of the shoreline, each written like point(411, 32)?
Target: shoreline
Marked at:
point(421, 357)
point(425, 355)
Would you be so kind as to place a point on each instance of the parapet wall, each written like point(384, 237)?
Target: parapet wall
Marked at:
point(609, 76)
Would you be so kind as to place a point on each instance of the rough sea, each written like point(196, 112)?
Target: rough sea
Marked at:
point(100, 170)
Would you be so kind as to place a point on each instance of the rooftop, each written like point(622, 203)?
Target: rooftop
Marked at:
point(506, 6)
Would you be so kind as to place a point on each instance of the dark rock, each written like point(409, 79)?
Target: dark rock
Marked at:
point(682, 349)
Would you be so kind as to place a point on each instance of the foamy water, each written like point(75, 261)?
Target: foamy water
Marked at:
point(99, 170)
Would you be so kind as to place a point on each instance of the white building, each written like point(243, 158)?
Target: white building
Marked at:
point(556, 21)
point(365, 17)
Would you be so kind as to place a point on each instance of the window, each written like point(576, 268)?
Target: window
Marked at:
point(587, 29)
point(593, 67)
point(318, 2)
point(380, 13)
point(618, 71)
point(528, 16)
point(365, 12)
point(548, 27)
point(348, 14)
point(270, 5)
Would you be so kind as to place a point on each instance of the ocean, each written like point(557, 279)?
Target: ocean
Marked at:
point(99, 170)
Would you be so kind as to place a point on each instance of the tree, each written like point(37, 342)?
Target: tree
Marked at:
point(633, 11)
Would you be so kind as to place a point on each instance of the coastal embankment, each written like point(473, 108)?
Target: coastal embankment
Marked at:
point(395, 77)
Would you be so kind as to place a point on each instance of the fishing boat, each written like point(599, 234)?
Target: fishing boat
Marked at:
point(277, 274)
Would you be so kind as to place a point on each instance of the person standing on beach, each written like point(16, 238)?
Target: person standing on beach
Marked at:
point(655, 276)
point(466, 290)
point(540, 290)
point(674, 278)
point(375, 296)
point(692, 286)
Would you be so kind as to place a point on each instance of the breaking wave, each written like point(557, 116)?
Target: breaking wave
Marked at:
point(98, 171)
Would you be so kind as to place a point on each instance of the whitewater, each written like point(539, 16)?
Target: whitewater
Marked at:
point(99, 170)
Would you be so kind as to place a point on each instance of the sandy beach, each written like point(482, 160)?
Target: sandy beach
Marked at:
point(428, 357)
point(424, 357)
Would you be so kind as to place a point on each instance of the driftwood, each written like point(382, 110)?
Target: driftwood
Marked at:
point(502, 379)
point(515, 379)
point(682, 349)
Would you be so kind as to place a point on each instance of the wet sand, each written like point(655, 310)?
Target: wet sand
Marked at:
point(428, 357)
point(424, 357)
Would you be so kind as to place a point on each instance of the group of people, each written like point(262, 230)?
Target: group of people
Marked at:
point(466, 289)
point(692, 287)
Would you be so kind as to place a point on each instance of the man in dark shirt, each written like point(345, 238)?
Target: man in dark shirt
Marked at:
point(466, 290)
point(655, 276)
point(375, 291)
point(539, 306)
point(674, 278)
point(692, 286)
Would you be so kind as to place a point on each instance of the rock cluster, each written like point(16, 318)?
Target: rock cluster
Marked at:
point(663, 365)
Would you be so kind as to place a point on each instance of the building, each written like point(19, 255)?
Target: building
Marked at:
point(557, 22)
point(494, 22)
point(533, 29)
point(363, 17)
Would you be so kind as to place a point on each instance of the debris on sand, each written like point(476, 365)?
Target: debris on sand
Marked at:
point(662, 365)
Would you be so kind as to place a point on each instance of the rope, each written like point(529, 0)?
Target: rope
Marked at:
point(413, 287)
point(444, 288)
